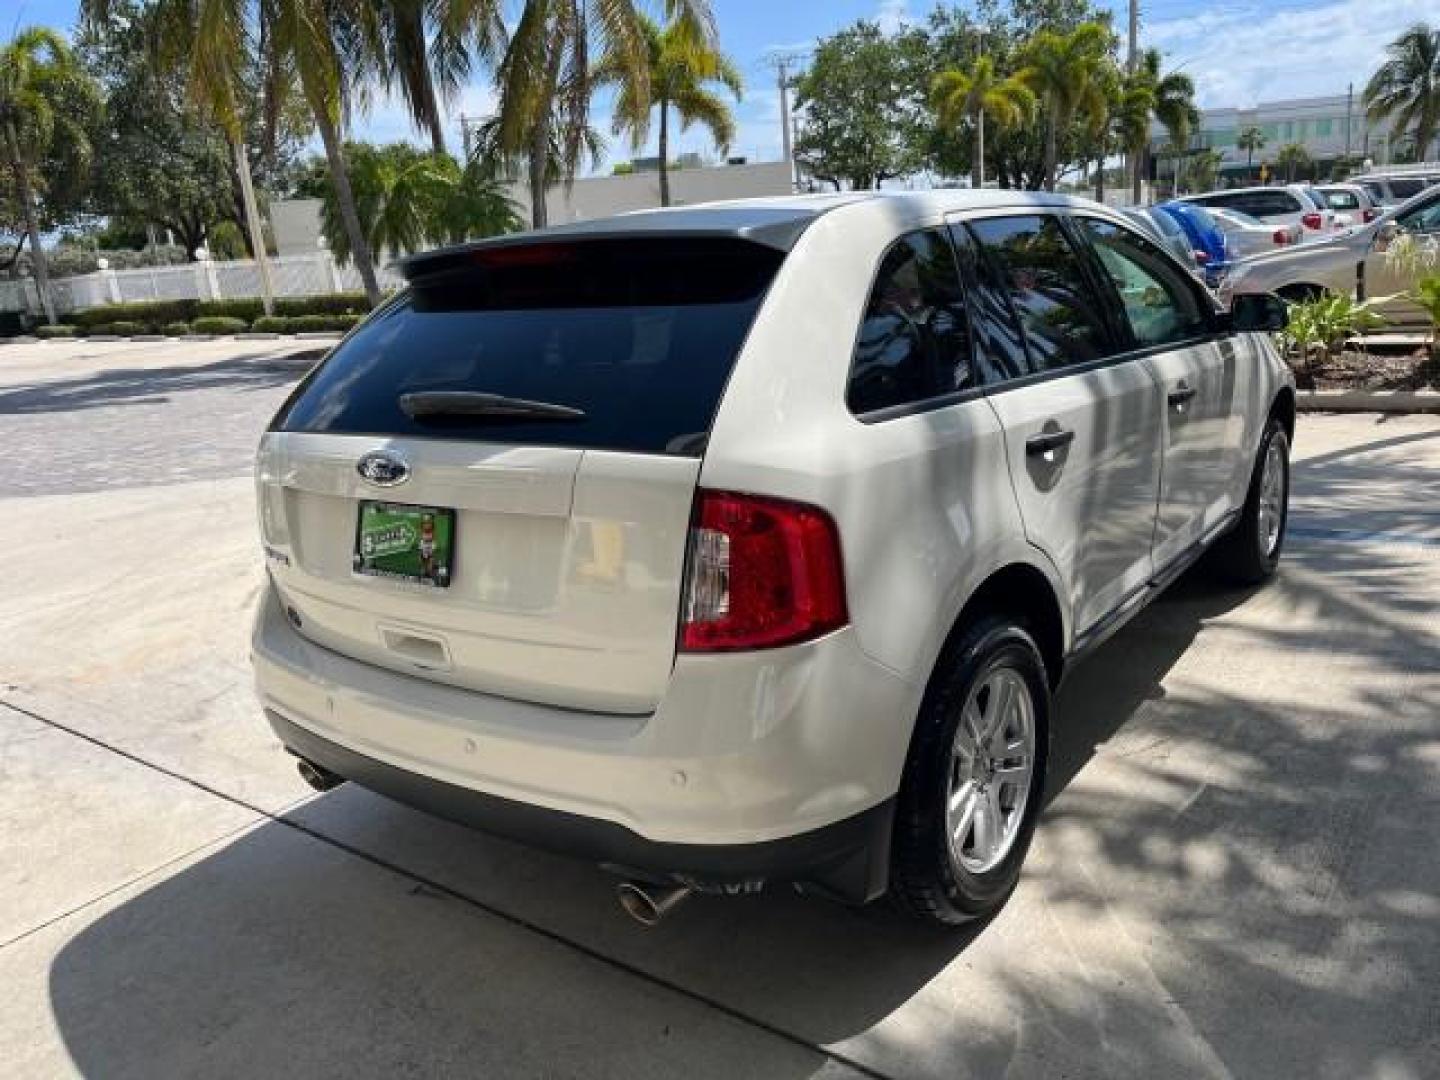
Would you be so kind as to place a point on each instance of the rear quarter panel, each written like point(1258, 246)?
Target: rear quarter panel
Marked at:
point(923, 502)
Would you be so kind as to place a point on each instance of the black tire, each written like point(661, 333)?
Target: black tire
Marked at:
point(1243, 557)
point(926, 880)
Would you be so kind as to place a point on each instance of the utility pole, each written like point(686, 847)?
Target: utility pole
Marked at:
point(1349, 111)
point(978, 173)
point(1133, 56)
point(787, 146)
point(782, 62)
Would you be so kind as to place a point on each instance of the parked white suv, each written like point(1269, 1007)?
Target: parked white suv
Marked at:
point(745, 544)
point(1293, 204)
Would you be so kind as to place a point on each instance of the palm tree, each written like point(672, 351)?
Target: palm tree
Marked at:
point(1292, 157)
point(1250, 140)
point(680, 67)
point(545, 78)
point(1060, 68)
point(1172, 97)
point(409, 199)
point(425, 50)
point(979, 93)
point(326, 44)
point(46, 106)
point(1406, 88)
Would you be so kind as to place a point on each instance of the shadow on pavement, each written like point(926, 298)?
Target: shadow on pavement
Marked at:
point(119, 386)
point(1234, 875)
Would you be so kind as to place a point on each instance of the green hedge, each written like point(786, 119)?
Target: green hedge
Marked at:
point(44, 333)
point(157, 315)
point(120, 328)
point(303, 323)
point(219, 324)
point(176, 329)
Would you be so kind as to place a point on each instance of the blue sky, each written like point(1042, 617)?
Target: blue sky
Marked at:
point(1238, 51)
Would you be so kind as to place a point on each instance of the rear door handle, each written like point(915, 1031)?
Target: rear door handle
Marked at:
point(1180, 395)
point(1046, 442)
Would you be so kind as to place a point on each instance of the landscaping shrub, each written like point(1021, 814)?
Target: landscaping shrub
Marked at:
point(218, 324)
point(149, 313)
point(176, 329)
point(326, 304)
point(47, 332)
point(314, 323)
point(153, 316)
point(120, 328)
point(271, 324)
point(248, 308)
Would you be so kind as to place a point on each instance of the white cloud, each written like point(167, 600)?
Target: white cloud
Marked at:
point(893, 16)
point(1243, 54)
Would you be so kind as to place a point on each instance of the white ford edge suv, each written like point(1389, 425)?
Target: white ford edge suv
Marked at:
point(745, 544)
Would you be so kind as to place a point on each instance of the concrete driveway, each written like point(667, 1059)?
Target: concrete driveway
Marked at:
point(1236, 875)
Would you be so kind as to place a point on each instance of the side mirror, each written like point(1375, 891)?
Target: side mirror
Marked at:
point(1258, 312)
point(1385, 235)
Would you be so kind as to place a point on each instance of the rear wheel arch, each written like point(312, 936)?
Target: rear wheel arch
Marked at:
point(1025, 593)
point(1283, 409)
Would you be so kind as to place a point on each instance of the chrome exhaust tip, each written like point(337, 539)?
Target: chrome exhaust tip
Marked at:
point(648, 904)
point(318, 777)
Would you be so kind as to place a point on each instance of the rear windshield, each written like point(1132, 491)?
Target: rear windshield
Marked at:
point(1407, 187)
point(638, 335)
point(1342, 200)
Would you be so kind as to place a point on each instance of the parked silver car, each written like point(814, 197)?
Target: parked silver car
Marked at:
point(1246, 235)
point(746, 543)
point(1393, 189)
point(1349, 264)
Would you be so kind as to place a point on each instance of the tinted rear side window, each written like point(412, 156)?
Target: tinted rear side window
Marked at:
point(639, 335)
point(1043, 275)
point(913, 342)
point(1406, 187)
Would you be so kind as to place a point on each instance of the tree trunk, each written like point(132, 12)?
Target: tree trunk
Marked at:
point(539, 160)
point(1050, 152)
point(977, 173)
point(664, 153)
point(345, 197)
point(257, 233)
point(1137, 167)
point(37, 253)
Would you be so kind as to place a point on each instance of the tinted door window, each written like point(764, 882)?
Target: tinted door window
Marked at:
point(1160, 303)
point(999, 346)
point(1422, 219)
point(1406, 188)
point(1045, 280)
point(639, 335)
point(913, 342)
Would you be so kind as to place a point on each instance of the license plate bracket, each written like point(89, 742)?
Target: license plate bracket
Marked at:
point(401, 542)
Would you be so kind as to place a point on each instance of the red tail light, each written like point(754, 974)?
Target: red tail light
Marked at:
point(1312, 221)
point(1282, 236)
point(1201, 257)
point(761, 573)
point(1369, 214)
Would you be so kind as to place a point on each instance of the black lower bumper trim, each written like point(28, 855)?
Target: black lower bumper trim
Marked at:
point(848, 859)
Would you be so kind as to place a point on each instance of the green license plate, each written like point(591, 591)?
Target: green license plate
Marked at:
point(405, 543)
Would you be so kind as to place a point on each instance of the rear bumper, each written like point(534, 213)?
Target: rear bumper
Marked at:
point(779, 765)
point(848, 859)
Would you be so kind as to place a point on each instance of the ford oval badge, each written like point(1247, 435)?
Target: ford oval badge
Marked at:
point(382, 469)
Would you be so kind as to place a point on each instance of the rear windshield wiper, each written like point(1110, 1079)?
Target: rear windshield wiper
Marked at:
point(439, 404)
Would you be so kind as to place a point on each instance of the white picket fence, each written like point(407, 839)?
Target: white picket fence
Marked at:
point(291, 275)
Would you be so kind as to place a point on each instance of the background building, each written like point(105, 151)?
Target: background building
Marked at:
point(1332, 130)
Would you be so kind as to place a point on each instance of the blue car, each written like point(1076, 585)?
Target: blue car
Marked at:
point(1211, 249)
